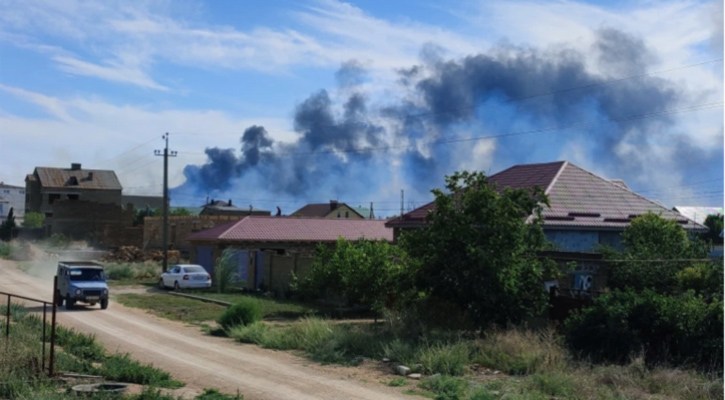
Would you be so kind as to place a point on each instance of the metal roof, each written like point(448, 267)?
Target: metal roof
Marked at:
point(295, 229)
point(95, 179)
point(579, 199)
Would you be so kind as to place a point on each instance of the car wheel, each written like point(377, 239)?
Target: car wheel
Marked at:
point(161, 284)
point(58, 299)
point(176, 286)
point(104, 304)
point(69, 303)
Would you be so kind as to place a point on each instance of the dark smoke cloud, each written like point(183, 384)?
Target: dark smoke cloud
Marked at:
point(453, 99)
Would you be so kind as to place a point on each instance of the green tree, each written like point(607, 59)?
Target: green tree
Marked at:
point(6, 228)
point(714, 222)
point(364, 272)
point(478, 250)
point(656, 250)
point(33, 219)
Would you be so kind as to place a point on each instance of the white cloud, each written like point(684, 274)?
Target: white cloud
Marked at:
point(113, 72)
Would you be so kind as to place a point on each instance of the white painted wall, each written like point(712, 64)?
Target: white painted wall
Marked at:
point(12, 197)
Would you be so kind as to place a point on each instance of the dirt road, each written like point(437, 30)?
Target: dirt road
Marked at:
point(200, 360)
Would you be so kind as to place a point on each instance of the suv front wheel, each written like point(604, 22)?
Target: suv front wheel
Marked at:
point(58, 299)
point(69, 303)
point(104, 304)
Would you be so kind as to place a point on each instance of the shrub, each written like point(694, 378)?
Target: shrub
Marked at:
point(33, 219)
point(401, 351)
point(682, 329)
point(448, 359)
point(252, 333)
point(225, 271)
point(397, 382)
point(120, 272)
point(445, 387)
point(244, 312)
point(6, 249)
point(520, 352)
point(120, 367)
point(58, 240)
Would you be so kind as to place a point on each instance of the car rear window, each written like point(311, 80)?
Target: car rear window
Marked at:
point(193, 270)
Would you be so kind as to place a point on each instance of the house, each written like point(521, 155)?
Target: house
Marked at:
point(586, 210)
point(12, 197)
point(259, 238)
point(46, 186)
point(331, 210)
point(218, 207)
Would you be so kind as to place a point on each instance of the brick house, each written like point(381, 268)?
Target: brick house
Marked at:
point(45, 186)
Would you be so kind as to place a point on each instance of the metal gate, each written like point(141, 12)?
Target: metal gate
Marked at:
point(205, 259)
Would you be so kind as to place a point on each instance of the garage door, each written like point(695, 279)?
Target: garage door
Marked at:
point(205, 259)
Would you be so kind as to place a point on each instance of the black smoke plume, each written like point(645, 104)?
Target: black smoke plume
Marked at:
point(421, 136)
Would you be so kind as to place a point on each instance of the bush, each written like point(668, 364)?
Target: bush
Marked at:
point(244, 312)
point(520, 352)
point(6, 249)
point(225, 271)
point(445, 387)
point(58, 240)
point(120, 272)
point(33, 219)
point(397, 382)
point(121, 368)
point(448, 359)
point(681, 330)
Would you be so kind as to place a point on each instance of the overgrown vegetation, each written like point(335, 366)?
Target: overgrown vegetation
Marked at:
point(33, 219)
point(663, 304)
point(225, 271)
point(7, 226)
point(129, 273)
point(245, 312)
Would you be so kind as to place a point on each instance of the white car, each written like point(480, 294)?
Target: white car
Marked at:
point(185, 276)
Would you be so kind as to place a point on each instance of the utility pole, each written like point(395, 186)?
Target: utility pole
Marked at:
point(166, 154)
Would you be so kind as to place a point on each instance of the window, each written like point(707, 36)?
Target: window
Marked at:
point(338, 214)
point(22, 192)
point(73, 196)
point(347, 214)
point(49, 215)
point(6, 191)
point(53, 197)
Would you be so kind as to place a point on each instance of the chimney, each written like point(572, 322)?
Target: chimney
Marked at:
point(279, 211)
point(75, 166)
point(333, 204)
point(90, 176)
point(230, 203)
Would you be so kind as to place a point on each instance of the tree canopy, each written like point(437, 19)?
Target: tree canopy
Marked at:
point(478, 250)
point(33, 219)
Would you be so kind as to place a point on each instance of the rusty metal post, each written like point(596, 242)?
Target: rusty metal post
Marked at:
point(7, 323)
point(52, 329)
point(42, 362)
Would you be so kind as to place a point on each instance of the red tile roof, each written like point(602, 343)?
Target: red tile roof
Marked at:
point(578, 198)
point(294, 229)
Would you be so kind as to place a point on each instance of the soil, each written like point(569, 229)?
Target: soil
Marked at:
point(203, 361)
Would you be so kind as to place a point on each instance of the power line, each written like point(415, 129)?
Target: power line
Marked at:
point(127, 151)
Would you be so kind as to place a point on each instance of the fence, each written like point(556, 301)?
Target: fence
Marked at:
point(10, 319)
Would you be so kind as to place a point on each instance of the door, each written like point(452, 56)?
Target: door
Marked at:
point(242, 257)
point(205, 259)
point(259, 262)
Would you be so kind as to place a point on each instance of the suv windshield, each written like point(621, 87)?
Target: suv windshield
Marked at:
point(86, 274)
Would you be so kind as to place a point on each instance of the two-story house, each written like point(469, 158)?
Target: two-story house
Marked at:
point(45, 186)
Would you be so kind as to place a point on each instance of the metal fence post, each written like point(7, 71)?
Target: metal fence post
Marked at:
point(7, 323)
point(51, 361)
point(45, 307)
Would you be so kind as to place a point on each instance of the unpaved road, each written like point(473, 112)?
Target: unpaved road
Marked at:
point(200, 360)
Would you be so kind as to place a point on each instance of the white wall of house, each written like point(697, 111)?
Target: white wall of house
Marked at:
point(12, 197)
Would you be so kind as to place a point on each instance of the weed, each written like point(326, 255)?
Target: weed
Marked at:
point(449, 359)
point(119, 272)
point(445, 387)
point(401, 351)
point(245, 312)
point(225, 271)
point(520, 352)
point(482, 394)
point(121, 368)
point(396, 382)
point(213, 394)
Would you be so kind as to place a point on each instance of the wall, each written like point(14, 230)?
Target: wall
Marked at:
point(180, 227)
point(277, 270)
point(103, 224)
point(573, 240)
point(33, 197)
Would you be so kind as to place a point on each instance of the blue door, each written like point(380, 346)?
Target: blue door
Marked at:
point(205, 259)
point(242, 257)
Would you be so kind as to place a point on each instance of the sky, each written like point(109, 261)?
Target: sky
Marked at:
point(283, 103)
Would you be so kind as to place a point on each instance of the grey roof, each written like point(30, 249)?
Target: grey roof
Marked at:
point(96, 179)
point(3, 185)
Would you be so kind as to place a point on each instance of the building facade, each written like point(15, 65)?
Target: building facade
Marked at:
point(12, 197)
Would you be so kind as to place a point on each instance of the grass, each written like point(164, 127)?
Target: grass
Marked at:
point(173, 307)
point(132, 273)
point(271, 308)
point(397, 382)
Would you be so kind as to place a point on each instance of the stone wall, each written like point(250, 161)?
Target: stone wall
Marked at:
point(180, 227)
point(102, 224)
